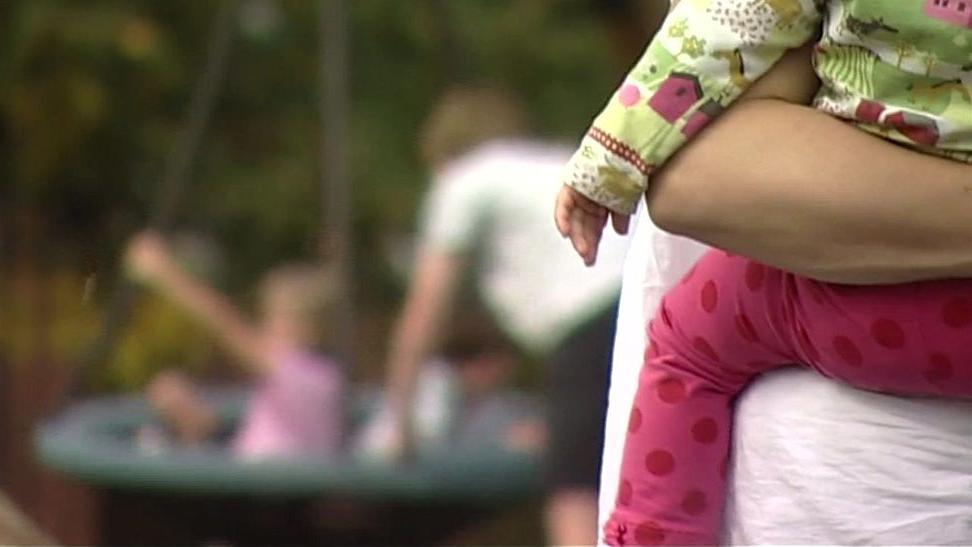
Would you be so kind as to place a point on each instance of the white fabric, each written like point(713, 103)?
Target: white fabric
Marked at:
point(821, 463)
point(815, 462)
point(496, 204)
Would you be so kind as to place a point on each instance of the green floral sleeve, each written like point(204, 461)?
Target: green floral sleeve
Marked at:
point(705, 55)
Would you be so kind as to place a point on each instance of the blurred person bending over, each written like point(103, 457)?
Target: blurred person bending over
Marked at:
point(488, 211)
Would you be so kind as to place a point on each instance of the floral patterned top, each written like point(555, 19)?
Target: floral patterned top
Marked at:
point(901, 69)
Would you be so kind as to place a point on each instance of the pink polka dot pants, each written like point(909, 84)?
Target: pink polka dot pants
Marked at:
point(731, 319)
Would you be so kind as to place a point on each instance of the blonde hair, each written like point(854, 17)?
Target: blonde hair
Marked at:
point(465, 117)
point(312, 290)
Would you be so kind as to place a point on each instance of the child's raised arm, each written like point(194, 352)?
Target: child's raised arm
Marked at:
point(705, 55)
point(149, 259)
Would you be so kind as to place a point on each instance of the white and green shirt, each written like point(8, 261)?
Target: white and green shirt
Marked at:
point(901, 69)
point(493, 205)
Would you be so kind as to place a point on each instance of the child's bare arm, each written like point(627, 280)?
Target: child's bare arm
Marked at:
point(150, 259)
point(416, 334)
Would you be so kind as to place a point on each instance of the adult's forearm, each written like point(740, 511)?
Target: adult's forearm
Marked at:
point(419, 327)
point(800, 190)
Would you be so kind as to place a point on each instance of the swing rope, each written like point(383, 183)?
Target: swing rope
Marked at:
point(176, 175)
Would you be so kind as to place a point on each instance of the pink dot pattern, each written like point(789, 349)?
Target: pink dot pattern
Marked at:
point(731, 319)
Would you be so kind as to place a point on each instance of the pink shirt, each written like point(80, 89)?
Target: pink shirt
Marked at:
point(296, 411)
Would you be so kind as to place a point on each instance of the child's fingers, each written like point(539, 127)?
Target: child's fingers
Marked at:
point(620, 222)
point(588, 205)
point(593, 236)
point(586, 235)
point(576, 233)
point(582, 221)
point(595, 230)
point(562, 210)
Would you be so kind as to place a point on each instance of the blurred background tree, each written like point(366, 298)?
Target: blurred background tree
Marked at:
point(93, 94)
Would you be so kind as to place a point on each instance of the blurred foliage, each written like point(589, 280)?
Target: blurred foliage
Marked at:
point(174, 343)
point(67, 331)
point(93, 96)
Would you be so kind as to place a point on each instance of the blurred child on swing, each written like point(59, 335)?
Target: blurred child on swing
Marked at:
point(296, 409)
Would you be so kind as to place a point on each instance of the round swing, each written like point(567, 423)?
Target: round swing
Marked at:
point(102, 441)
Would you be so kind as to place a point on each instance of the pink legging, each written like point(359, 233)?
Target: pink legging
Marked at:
point(731, 319)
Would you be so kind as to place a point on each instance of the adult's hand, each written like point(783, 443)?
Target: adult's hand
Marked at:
point(416, 336)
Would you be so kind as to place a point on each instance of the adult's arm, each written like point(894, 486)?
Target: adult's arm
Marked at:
point(795, 188)
point(417, 332)
point(612, 165)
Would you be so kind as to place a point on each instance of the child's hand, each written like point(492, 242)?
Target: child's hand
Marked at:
point(583, 220)
point(148, 257)
point(175, 398)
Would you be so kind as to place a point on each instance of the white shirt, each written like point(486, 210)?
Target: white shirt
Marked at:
point(496, 204)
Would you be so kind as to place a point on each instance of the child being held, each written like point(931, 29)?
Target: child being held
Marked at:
point(901, 70)
point(296, 410)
